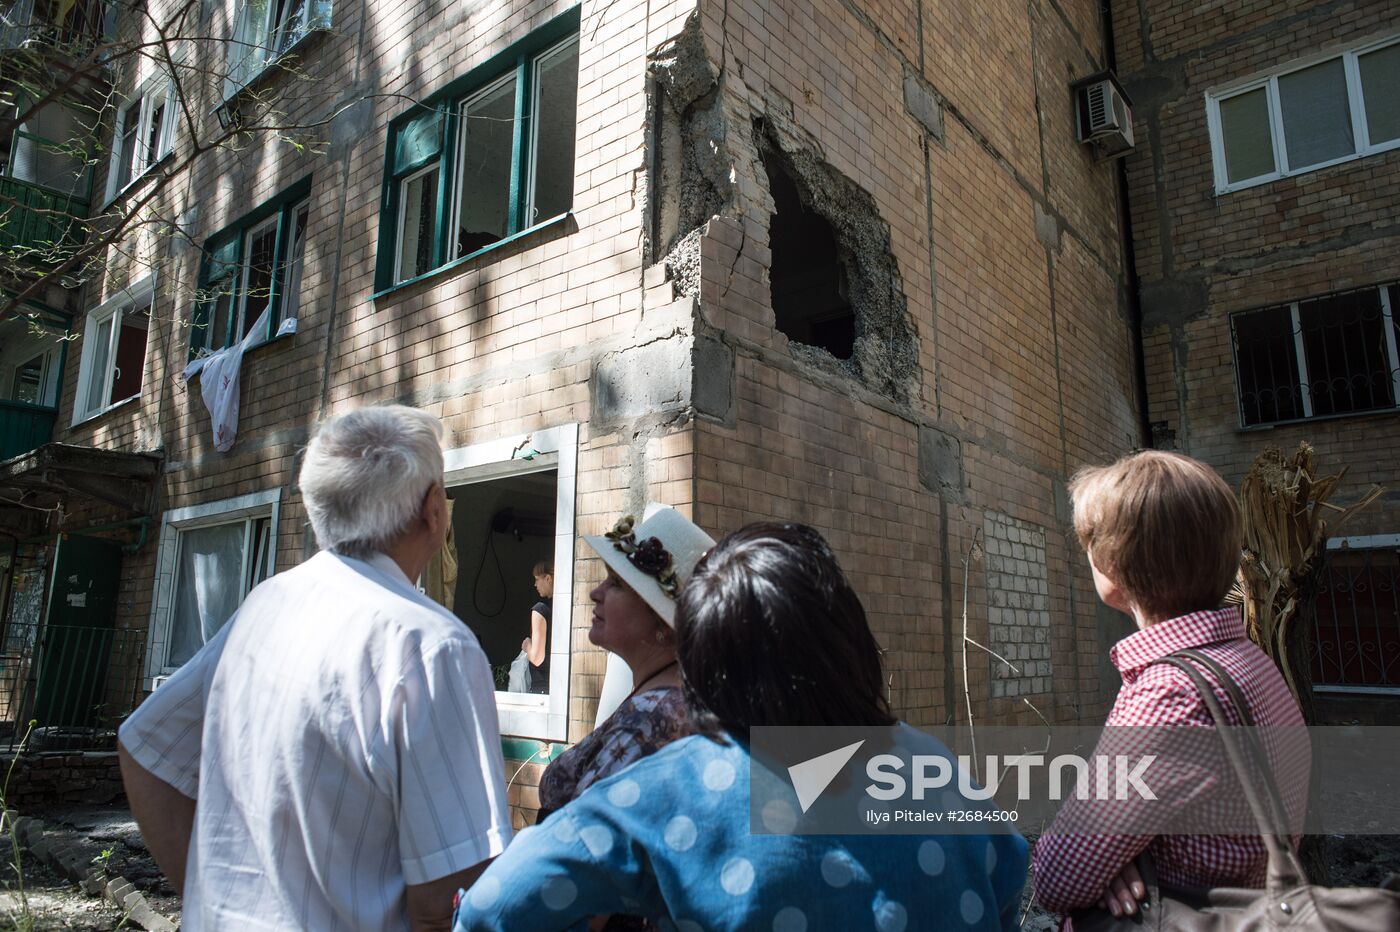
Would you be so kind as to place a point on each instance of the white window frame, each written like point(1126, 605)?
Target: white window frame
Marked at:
point(139, 294)
point(460, 161)
point(404, 182)
point(155, 89)
point(245, 270)
point(271, 42)
point(1269, 82)
point(530, 219)
point(247, 508)
point(530, 715)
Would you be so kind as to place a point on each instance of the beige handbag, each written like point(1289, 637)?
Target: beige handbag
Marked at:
point(1288, 901)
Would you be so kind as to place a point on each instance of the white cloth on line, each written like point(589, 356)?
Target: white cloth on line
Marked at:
point(340, 737)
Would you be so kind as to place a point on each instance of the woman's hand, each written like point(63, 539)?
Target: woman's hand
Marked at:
point(525, 645)
point(1124, 892)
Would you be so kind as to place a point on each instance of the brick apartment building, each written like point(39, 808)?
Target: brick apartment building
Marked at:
point(842, 262)
point(1264, 187)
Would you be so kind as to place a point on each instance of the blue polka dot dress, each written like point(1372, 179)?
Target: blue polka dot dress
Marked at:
point(669, 839)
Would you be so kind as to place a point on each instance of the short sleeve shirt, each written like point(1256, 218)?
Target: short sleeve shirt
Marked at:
point(340, 738)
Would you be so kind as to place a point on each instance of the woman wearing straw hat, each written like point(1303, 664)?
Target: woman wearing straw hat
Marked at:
point(634, 618)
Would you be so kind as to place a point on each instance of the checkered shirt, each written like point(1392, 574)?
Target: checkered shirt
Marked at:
point(1072, 871)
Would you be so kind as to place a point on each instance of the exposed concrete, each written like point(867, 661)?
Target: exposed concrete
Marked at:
point(654, 378)
point(689, 171)
point(1047, 228)
point(941, 463)
point(1064, 506)
point(1174, 301)
point(713, 392)
point(922, 102)
point(886, 352)
point(350, 126)
point(1153, 87)
point(1111, 627)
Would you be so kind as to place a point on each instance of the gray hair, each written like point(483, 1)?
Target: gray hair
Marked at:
point(365, 475)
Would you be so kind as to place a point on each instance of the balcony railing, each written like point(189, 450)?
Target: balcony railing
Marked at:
point(23, 427)
point(74, 683)
point(39, 224)
point(31, 23)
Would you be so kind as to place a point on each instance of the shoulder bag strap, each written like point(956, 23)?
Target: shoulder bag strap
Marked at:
point(1242, 750)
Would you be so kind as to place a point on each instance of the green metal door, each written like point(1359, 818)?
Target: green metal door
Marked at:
point(76, 642)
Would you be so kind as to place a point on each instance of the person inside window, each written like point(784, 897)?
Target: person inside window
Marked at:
point(536, 646)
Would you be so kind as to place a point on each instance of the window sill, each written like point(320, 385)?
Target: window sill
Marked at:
point(277, 339)
point(540, 227)
point(230, 101)
point(148, 172)
point(89, 418)
point(1270, 178)
point(1297, 421)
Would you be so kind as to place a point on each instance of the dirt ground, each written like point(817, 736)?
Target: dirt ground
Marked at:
point(108, 836)
point(104, 836)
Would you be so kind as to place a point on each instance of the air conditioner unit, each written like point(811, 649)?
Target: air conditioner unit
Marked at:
point(1104, 115)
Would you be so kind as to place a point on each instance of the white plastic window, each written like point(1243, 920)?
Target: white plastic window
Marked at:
point(1312, 114)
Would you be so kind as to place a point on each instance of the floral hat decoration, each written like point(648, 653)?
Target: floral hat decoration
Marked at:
point(655, 557)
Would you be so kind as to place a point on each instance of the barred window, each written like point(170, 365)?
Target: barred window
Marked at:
point(1321, 357)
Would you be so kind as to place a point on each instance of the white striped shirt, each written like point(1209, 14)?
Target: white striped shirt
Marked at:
point(340, 737)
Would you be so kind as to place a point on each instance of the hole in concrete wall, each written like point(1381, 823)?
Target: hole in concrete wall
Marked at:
point(836, 288)
point(810, 290)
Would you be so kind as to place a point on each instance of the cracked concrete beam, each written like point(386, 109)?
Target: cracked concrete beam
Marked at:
point(651, 379)
point(1174, 301)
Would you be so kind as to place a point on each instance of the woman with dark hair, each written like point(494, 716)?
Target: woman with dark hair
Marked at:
point(770, 633)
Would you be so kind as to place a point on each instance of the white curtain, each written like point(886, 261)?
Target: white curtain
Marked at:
point(208, 587)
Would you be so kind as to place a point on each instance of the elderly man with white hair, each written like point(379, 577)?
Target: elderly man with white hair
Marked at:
point(331, 759)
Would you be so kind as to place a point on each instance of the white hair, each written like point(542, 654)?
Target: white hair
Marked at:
point(365, 476)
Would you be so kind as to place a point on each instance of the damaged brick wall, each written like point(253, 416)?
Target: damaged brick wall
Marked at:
point(997, 352)
point(709, 144)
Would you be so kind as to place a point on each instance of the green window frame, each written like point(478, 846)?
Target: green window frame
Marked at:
point(432, 146)
point(227, 270)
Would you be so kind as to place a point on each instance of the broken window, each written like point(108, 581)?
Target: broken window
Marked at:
point(145, 133)
point(483, 160)
point(114, 351)
point(252, 272)
point(502, 530)
point(810, 293)
point(265, 30)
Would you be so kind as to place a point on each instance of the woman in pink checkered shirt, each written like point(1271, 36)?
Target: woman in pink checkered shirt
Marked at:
point(1163, 536)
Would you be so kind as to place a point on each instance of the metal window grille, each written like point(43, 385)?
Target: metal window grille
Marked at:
point(1321, 357)
point(1357, 634)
